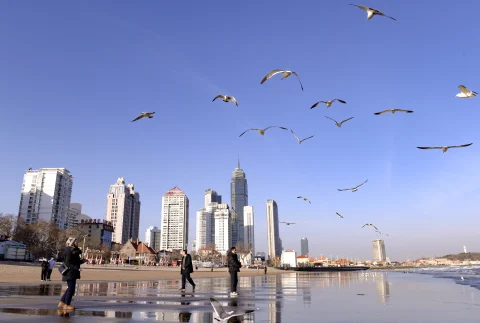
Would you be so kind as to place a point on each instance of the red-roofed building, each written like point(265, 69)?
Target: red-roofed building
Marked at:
point(137, 250)
point(302, 261)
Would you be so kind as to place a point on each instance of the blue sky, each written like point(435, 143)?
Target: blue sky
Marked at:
point(73, 75)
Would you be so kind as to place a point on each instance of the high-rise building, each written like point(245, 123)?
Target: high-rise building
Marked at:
point(205, 226)
point(273, 231)
point(46, 195)
point(75, 216)
point(175, 210)
point(379, 253)
point(223, 229)
point(123, 210)
point(249, 231)
point(239, 199)
point(212, 196)
point(304, 247)
point(152, 237)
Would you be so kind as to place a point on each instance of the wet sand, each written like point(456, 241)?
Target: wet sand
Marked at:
point(30, 273)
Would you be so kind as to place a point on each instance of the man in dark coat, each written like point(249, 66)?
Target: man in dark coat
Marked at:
point(234, 266)
point(70, 256)
point(186, 269)
point(44, 269)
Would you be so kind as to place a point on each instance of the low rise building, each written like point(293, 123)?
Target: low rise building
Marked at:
point(99, 232)
point(289, 258)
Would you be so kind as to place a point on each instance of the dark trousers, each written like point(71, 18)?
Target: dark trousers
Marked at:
point(185, 277)
point(44, 274)
point(49, 273)
point(68, 295)
point(233, 281)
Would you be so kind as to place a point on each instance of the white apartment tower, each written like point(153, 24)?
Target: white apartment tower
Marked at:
point(152, 237)
point(273, 231)
point(205, 227)
point(175, 209)
point(46, 195)
point(75, 216)
point(248, 228)
point(223, 229)
point(379, 253)
point(123, 210)
point(212, 196)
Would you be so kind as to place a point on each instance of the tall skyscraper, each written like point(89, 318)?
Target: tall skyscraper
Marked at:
point(223, 229)
point(304, 247)
point(46, 195)
point(212, 196)
point(175, 211)
point(205, 226)
point(273, 231)
point(239, 199)
point(123, 210)
point(379, 253)
point(249, 231)
point(152, 237)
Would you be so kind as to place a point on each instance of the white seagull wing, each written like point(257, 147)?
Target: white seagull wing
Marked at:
point(219, 96)
point(460, 146)
point(269, 75)
point(218, 308)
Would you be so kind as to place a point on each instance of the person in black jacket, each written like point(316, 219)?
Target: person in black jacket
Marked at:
point(71, 258)
point(186, 268)
point(44, 269)
point(234, 266)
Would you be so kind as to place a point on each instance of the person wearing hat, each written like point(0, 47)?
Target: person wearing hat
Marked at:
point(71, 259)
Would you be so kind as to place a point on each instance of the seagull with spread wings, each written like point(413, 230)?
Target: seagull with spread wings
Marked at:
point(369, 224)
point(465, 93)
point(288, 223)
point(339, 124)
point(304, 198)
point(372, 12)
point(226, 98)
point(143, 115)
point(393, 111)
point(328, 103)
point(223, 315)
point(354, 189)
point(445, 148)
point(298, 139)
point(339, 215)
point(262, 131)
point(285, 74)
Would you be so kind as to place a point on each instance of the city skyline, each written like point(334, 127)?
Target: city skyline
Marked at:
point(97, 66)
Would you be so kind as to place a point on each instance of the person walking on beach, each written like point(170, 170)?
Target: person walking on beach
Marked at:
point(265, 269)
point(51, 265)
point(71, 259)
point(44, 269)
point(186, 269)
point(234, 266)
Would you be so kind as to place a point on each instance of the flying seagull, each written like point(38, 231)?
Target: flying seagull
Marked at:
point(372, 12)
point(393, 111)
point(262, 131)
point(298, 139)
point(339, 124)
point(224, 315)
point(288, 223)
point(339, 215)
point(328, 103)
point(465, 93)
point(382, 233)
point(371, 225)
point(354, 189)
point(143, 115)
point(285, 74)
point(445, 148)
point(304, 198)
point(226, 98)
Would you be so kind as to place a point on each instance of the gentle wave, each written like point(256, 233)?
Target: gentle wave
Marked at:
point(471, 274)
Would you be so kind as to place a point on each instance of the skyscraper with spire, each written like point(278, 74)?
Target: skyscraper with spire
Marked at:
point(239, 199)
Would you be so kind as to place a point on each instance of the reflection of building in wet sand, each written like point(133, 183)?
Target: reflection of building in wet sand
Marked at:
point(200, 317)
point(275, 308)
point(383, 289)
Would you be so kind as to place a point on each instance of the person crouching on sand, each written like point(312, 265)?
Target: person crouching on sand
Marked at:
point(71, 259)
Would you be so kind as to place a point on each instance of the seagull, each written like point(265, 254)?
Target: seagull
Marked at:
point(262, 131)
point(288, 223)
point(224, 315)
point(354, 189)
point(461, 277)
point(393, 111)
point(339, 124)
point(298, 139)
point(284, 76)
point(465, 93)
point(143, 115)
point(445, 148)
point(383, 233)
point(372, 12)
point(371, 225)
point(328, 103)
point(304, 198)
point(226, 98)
point(339, 215)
